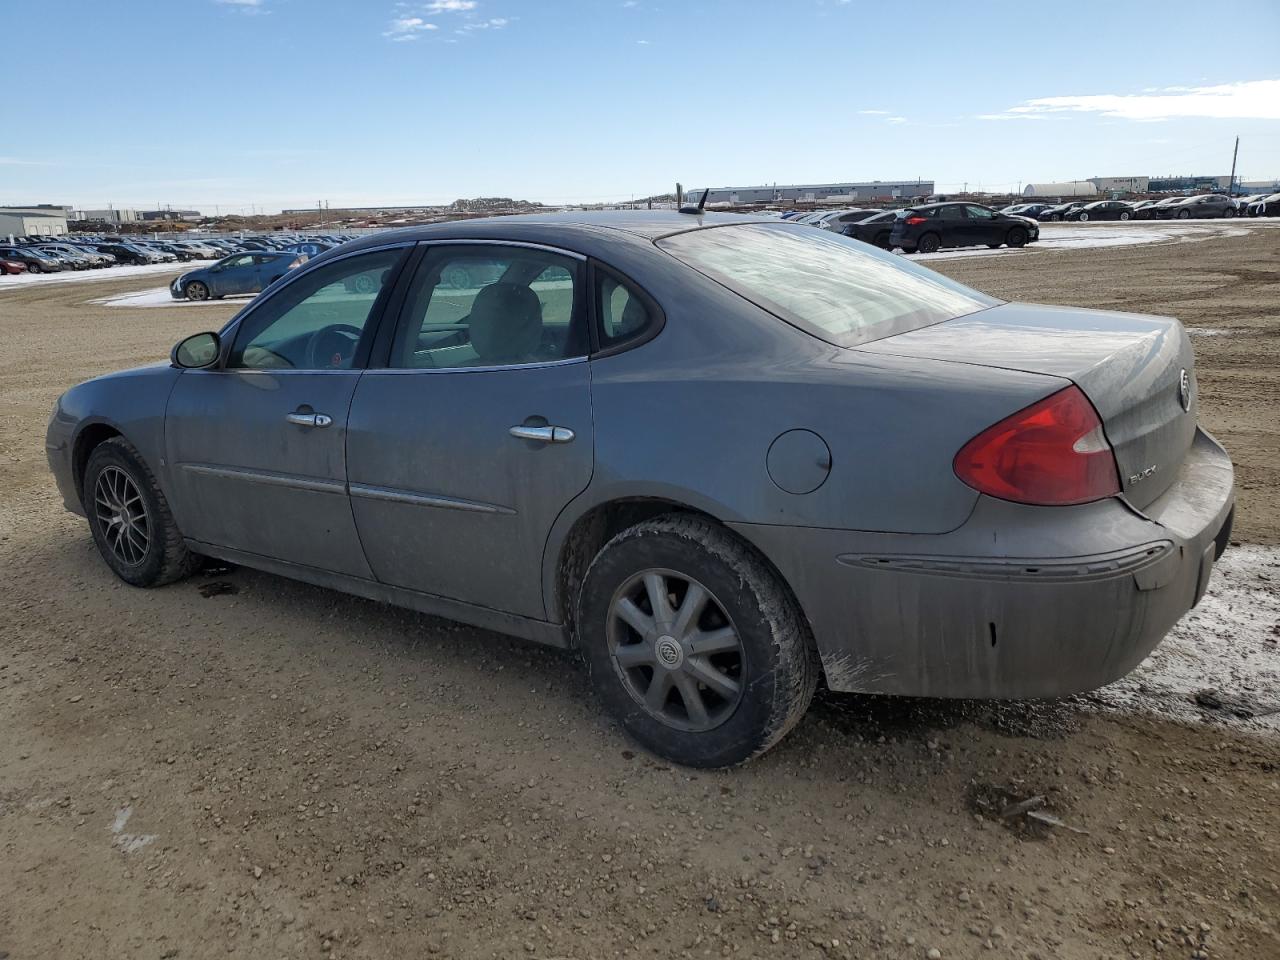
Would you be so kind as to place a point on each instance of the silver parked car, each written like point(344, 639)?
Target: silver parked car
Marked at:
point(717, 455)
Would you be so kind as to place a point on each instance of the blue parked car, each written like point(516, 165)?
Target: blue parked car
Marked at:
point(237, 274)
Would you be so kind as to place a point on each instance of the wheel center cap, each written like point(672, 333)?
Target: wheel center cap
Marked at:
point(670, 653)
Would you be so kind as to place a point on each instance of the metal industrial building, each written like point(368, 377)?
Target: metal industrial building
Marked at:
point(42, 220)
point(110, 215)
point(813, 192)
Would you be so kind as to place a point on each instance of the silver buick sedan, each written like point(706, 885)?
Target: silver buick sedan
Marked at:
point(719, 456)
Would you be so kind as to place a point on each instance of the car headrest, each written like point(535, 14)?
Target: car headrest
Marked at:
point(506, 323)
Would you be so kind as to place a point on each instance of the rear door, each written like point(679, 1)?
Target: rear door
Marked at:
point(954, 226)
point(257, 446)
point(476, 431)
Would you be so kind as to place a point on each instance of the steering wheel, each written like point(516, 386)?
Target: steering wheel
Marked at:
point(332, 347)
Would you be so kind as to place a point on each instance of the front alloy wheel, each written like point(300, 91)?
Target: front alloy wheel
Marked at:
point(197, 291)
point(122, 514)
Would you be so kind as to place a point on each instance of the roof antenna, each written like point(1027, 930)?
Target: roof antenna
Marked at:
point(701, 207)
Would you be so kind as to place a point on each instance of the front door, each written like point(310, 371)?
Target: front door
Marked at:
point(465, 447)
point(233, 276)
point(256, 448)
point(984, 227)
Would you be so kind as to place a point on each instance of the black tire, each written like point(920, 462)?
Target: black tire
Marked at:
point(774, 666)
point(1228, 213)
point(929, 243)
point(1017, 237)
point(1124, 215)
point(34, 268)
point(163, 557)
point(994, 246)
point(196, 290)
point(1083, 218)
point(1184, 214)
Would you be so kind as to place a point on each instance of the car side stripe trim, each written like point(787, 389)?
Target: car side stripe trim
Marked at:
point(368, 491)
point(266, 477)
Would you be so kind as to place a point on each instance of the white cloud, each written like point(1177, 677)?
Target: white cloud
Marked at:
point(875, 113)
point(450, 6)
point(252, 7)
point(643, 43)
point(896, 120)
point(494, 23)
point(1249, 99)
point(408, 28)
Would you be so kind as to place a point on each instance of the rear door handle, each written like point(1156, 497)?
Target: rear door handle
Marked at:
point(309, 419)
point(543, 434)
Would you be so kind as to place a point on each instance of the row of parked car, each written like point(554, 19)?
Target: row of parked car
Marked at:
point(1199, 207)
point(91, 252)
point(925, 228)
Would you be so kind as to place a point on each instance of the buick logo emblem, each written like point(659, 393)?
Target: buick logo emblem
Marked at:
point(1184, 390)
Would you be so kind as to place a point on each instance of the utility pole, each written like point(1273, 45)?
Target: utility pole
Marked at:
point(1231, 190)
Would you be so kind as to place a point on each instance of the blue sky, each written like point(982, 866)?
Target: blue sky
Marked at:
point(285, 102)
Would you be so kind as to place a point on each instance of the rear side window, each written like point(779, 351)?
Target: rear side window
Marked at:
point(828, 285)
point(623, 313)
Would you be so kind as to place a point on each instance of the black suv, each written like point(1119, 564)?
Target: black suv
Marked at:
point(935, 225)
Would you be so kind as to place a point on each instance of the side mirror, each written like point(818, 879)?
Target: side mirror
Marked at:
point(196, 351)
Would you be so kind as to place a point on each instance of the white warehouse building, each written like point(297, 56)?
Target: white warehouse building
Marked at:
point(44, 220)
point(1068, 188)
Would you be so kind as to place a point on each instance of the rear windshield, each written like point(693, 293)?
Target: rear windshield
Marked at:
point(835, 288)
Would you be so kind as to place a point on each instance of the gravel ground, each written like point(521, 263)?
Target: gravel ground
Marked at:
point(275, 770)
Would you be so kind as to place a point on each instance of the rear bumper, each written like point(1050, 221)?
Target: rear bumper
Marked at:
point(1019, 601)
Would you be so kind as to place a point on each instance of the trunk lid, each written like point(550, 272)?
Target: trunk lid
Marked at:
point(1135, 369)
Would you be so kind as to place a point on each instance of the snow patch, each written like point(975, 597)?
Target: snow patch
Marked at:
point(160, 297)
point(8, 282)
point(1229, 644)
point(128, 842)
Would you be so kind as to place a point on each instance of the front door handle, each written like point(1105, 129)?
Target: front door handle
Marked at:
point(543, 434)
point(309, 419)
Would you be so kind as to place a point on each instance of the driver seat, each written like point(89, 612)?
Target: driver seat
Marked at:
point(506, 324)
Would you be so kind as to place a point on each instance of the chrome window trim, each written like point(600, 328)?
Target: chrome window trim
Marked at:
point(398, 371)
point(525, 244)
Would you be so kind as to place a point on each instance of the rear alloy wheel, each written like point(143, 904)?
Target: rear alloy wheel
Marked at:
point(130, 518)
point(196, 290)
point(693, 644)
point(1184, 214)
point(1017, 237)
point(1124, 215)
point(929, 243)
point(1083, 217)
point(1228, 213)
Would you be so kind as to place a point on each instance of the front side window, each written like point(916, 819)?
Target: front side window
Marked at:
point(980, 213)
point(490, 306)
point(316, 322)
point(828, 285)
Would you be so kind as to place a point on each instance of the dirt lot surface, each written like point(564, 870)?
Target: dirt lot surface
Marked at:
point(274, 770)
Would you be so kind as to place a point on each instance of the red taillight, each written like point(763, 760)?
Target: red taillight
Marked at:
point(916, 221)
point(1052, 453)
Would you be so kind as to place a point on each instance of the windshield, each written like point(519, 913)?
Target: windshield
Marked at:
point(835, 288)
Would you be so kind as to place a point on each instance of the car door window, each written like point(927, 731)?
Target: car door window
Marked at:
point(952, 213)
point(487, 306)
point(317, 321)
point(979, 213)
point(241, 261)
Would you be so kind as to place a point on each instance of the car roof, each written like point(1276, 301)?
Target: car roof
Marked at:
point(634, 226)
